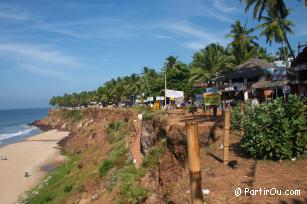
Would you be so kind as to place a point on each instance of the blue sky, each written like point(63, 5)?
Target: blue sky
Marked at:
point(50, 47)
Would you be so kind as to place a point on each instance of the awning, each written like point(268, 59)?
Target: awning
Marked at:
point(269, 84)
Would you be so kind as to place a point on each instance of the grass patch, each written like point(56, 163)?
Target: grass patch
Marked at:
point(119, 173)
point(73, 115)
point(105, 167)
point(153, 155)
point(116, 131)
point(57, 186)
point(130, 191)
point(68, 188)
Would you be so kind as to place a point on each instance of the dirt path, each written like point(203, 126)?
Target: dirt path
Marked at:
point(222, 181)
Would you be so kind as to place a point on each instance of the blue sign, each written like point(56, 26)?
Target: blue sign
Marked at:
point(211, 90)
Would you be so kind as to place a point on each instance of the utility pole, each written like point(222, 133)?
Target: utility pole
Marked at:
point(194, 162)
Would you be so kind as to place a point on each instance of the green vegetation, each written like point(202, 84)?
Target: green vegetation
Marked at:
point(130, 191)
point(192, 109)
point(73, 115)
point(274, 130)
point(153, 155)
point(58, 185)
point(105, 167)
point(118, 171)
point(116, 131)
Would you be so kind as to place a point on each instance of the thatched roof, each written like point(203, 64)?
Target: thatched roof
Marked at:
point(269, 84)
point(252, 68)
point(300, 59)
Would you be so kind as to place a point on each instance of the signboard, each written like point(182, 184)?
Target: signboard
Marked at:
point(199, 99)
point(160, 98)
point(279, 73)
point(211, 89)
point(212, 99)
point(149, 98)
point(174, 93)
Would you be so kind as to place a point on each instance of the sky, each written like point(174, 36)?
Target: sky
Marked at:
point(52, 47)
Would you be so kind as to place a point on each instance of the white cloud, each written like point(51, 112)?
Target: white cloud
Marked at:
point(44, 71)
point(203, 8)
point(163, 36)
point(224, 7)
point(12, 12)
point(39, 59)
point(38, 53)
point(195, 38)
point(91, 28)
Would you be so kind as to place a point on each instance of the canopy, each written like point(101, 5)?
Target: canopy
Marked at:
point(269, 84)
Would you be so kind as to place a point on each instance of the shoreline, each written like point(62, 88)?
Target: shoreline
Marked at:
point(33, 154)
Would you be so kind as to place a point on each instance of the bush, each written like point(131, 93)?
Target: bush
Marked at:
point(153, 155)
point(48, 199)
point(275, 130)
point(236, 118)
point(130, 191)
point(148, 115)
point(116, 131)
point(105, 167)
point(74, 115)
point(192, 109)
point(68, 188)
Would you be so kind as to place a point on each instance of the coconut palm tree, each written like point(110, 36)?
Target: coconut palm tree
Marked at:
point(276, 28)
point(208, 63)
point(261, 6)
point(241, 34)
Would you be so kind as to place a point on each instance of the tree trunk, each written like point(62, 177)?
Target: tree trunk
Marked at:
point(288, 44)
point(284, 57)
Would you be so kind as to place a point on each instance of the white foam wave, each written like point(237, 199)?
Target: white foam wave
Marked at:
point(15, 134)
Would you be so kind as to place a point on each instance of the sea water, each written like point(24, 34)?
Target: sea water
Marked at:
point(14, 124)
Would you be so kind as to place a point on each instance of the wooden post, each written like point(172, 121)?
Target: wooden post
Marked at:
point(204, 109)
point(241, 119)
point(226, 136)
point(194, 162)
point(214, 111)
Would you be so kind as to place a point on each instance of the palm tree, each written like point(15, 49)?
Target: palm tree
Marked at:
point(243, 46)
point(171, 61)
point(278, 6)
point(208, 63)
point(241, 34)
point(276, 28)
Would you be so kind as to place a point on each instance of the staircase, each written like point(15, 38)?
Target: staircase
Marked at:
point(137, 156)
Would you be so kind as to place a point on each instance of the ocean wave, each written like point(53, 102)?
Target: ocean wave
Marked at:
point(15, 134)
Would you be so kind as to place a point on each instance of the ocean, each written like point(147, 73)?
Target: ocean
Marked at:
point(14, 124)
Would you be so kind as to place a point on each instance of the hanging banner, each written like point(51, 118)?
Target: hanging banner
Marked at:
point(174, 93)
point(212, 99)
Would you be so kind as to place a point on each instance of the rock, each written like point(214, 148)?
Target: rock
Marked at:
point(206, 191)
point(233, 164)
point(64, 126)
point(80, 125)
point(80, 165)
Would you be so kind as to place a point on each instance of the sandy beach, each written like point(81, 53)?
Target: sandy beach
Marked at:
point(29, 155)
